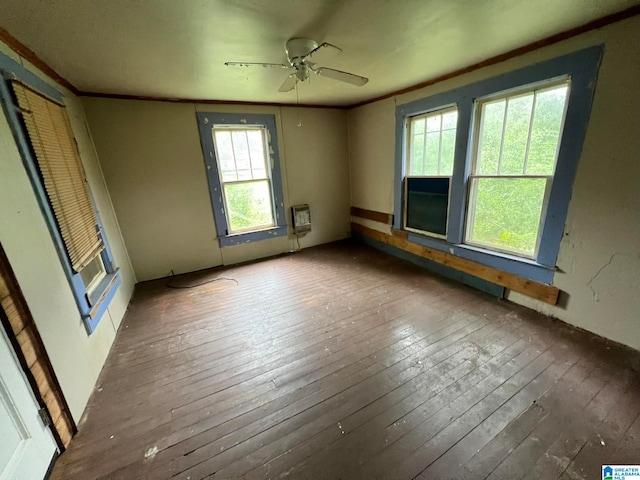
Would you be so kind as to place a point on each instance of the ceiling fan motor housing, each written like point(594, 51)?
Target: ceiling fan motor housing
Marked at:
point(298, 48)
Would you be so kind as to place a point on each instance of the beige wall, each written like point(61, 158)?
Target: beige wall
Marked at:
point(152, 161)
point(599, 258)
point(76, 357)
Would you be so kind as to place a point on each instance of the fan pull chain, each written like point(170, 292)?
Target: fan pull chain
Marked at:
point(298, 105)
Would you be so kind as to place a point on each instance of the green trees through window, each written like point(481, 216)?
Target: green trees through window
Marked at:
point(246, 184)
point(432, 143)
point(517, 143)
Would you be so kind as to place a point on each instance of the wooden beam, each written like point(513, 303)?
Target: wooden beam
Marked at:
point(386, 218)
point(540, 291)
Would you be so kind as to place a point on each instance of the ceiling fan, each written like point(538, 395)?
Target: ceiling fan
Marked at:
point(299, 52)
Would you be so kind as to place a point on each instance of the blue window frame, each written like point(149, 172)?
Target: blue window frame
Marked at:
point(93, 303)
point(580, 69)
point(223, 173)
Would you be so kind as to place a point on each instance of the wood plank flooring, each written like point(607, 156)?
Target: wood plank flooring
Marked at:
point(341, 362)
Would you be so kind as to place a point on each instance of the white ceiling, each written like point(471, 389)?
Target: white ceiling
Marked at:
point(177, 48)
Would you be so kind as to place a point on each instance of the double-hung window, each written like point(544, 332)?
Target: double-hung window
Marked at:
point(515, 154)
point(241, 153)
point(243, 170)
point(431, 146)
point(43, 134)
point(485, 171)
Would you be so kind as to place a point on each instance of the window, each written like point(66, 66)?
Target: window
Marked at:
point(246, 186)
point(501, 155)
point(432, 140)
point(431, 146)
point(243, 170)
point(45, 139)
point(516, 148)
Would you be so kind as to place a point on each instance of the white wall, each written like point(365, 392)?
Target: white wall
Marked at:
point(599, 257)
point(76, 357)
point(154, 167)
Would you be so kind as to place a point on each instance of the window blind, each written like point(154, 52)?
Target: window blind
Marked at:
point(64, 180)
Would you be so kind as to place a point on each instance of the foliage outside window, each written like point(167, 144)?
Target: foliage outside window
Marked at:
point(518, 141)
point(242, 162)
point(515, 157)
point(244, 174)
point(432, 140)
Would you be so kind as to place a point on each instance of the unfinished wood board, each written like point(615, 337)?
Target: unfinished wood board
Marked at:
point(540, 291)
point(386, 218)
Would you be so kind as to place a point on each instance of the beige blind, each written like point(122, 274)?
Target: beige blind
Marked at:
point(64, 179)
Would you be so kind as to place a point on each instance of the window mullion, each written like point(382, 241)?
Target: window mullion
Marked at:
point(246, 135)
point(439, 146)
point(504, 129)
point(458, 186)
point(424, 148)
point(526, 154)
point(233, 150)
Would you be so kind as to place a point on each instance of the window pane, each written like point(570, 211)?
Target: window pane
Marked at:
point(490, 137)
point(256, 151)
point(433, 123)
point(450, 120)
point(249, 205)
point(224, 151)
point(432, 152)
point(416, 164)
point(545, 133)
point(241, 153)
point(93, 273)
point(432, 144)
point(448, 151)
point(507, 212)
point(417, 126)
point(516, 133)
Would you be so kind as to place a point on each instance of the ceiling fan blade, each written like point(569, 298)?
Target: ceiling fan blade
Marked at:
point(323, 45)
point(288, 83)
point(341, 76)
point(253, 64)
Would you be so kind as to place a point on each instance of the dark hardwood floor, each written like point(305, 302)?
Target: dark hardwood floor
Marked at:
point(341, 362)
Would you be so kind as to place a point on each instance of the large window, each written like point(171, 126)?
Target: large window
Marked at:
point(516, 148)
point(500, 157)
point(246, 184)
point(43, 133)
point(243, 168)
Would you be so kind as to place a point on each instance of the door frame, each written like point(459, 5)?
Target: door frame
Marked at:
point(39, 373)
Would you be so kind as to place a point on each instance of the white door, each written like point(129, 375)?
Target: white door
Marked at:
point(26, 445)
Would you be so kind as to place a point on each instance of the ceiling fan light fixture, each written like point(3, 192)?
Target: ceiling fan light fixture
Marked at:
point(298, 49)
point(302, 72)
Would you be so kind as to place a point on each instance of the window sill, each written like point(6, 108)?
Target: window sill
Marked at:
point(100, 299)
point(254, 236)
point(523, 267)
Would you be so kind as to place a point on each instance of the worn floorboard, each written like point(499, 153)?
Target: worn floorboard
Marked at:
point(341, 362)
